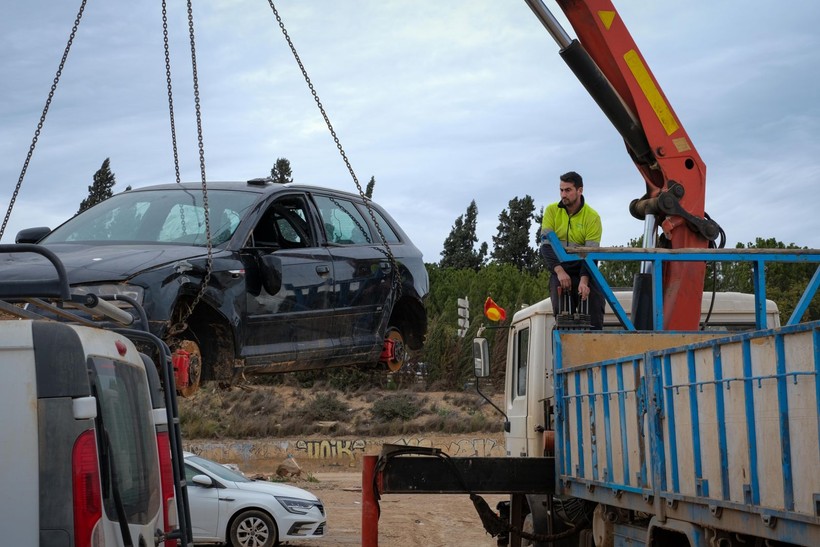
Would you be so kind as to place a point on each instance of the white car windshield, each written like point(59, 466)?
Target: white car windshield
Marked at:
point(217, 469)
point(174, 216)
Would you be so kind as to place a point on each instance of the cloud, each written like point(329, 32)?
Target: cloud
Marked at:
point(443, 102)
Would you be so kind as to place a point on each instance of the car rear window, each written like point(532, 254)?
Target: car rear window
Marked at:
point(126, 439)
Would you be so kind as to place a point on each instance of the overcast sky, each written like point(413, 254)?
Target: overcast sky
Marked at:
point(442, 101)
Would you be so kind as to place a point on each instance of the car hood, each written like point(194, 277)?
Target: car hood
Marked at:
point(92, 263)
point(276, 489)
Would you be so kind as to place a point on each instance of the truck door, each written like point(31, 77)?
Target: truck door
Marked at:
point(517, 382)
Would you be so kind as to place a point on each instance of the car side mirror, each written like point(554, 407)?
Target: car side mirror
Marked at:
point(481, 357)
point(32, 235)
point(271, 273)
point(203, 480)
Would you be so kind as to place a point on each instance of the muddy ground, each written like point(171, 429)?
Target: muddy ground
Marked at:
point(406, 519)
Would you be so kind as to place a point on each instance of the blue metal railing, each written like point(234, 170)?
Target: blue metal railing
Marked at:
point(757, 257)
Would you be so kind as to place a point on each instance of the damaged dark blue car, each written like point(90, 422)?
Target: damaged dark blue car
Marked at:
point(300, 277)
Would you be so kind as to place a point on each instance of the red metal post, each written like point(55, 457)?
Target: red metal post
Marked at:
point(370, 507)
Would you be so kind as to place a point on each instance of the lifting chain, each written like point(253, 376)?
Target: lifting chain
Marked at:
point(396, 281)
point(43, 115)
point(180, 324)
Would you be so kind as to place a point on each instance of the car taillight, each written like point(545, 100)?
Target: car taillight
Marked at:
point(85, 474)
point(167, 476)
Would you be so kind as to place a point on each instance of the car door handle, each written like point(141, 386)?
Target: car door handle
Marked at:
point(227, 499)
point(322, 269)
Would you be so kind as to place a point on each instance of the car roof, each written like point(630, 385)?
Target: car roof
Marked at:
point(259, 186)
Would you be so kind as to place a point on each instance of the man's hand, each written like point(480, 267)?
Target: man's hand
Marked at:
point(564, 280)
point(583, 287)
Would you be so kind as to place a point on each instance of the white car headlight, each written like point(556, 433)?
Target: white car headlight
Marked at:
point(296, 505)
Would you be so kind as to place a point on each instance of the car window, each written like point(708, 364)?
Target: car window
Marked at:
point(214, 468)
point(175, 216)
point(284, 225)
point(386, 228)
point(343, 222)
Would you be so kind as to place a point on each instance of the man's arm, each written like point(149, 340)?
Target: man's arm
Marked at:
point(592, 238)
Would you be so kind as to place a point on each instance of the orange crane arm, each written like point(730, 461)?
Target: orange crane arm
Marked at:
point(609, 64)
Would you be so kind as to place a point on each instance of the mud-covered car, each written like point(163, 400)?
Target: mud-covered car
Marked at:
point(300, 277)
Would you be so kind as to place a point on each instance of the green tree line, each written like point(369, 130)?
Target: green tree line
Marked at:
point(512, 273)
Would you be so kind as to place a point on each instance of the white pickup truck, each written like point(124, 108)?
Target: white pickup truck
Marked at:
point(86, 443)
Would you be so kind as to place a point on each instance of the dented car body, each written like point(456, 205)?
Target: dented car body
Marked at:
point(300, 277)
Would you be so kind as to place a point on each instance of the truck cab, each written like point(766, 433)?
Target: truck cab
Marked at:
point(529, 376)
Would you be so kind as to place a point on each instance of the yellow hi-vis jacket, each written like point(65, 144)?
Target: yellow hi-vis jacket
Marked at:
point(581, 229)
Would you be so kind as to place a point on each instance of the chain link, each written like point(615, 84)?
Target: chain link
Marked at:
point(180, 325)
point(396, 281)
point(43, 116)
point(170, 89)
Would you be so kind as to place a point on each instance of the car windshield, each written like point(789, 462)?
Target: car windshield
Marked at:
point(217, 469)
point(174, 216)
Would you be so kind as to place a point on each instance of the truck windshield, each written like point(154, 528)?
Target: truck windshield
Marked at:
point(172, 216)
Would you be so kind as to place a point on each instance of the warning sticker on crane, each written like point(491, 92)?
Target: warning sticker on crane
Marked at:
point(651, 91)
point(606, 16)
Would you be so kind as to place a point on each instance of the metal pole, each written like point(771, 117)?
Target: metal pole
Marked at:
point(550, 22)
point(650, 239)
point(370, 507)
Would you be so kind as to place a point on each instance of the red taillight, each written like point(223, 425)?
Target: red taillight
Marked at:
point(167, 476)
point(85, 474)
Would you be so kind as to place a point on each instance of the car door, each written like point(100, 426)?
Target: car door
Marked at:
point(362, 269)
point(203, 502)
point(289, 286)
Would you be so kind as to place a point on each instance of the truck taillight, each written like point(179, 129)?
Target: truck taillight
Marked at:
point(85, 474)
point(167, 476)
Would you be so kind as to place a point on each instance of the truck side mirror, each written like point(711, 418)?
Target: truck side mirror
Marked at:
point(481, 357)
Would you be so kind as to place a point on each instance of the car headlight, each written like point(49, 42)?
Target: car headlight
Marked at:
point(296, 505)
point(131, 291)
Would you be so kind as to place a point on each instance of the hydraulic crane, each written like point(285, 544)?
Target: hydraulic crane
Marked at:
point(606, 60)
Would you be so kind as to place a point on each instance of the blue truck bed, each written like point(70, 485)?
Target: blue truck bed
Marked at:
point(717, 430)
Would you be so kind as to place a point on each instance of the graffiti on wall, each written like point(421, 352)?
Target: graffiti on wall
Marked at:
point(331, 449)
point(337, 449)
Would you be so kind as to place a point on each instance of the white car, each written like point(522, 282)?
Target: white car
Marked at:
point(227, 507)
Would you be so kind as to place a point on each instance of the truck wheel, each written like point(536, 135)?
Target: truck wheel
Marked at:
point(194, 366)
point(394, 353)
point(253, 529)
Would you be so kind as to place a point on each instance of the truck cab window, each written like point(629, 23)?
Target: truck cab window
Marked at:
point(521, 359)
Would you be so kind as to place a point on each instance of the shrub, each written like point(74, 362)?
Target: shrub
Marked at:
point(401, 406)
point(324, 407)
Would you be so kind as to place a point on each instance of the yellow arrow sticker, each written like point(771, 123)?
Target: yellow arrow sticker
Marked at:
point(606, 18)
point(651, 92)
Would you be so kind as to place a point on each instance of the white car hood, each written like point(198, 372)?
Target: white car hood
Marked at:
point(276, 489)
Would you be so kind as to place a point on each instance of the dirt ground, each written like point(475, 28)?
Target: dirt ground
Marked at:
point(406, 519)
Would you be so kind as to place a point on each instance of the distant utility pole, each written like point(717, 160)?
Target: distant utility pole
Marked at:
point(463, 316)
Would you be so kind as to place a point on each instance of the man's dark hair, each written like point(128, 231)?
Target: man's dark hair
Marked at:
point(574, 178)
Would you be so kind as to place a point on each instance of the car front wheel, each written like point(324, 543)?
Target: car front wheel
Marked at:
point(253, 529)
